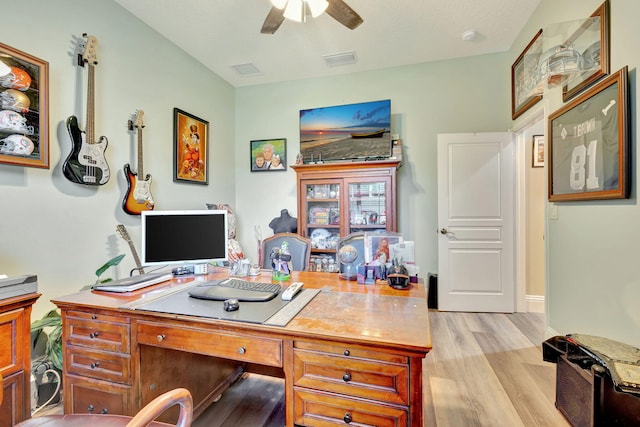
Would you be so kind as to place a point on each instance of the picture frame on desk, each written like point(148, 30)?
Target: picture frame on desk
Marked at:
point(191, 148)
point(24, 94)
point(589, 143)
point(375, 243)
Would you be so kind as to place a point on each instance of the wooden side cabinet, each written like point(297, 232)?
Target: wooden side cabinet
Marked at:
point(337, 199)
point(15, 358)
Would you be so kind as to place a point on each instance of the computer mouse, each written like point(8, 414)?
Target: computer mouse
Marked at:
point(231, 304)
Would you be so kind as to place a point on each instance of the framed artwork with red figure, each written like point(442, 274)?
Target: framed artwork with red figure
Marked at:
point(191, 148)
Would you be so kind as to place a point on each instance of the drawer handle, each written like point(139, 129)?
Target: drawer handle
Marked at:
point(90, 408)
point(161, 337)
point(346, 377)
point(95, 365)
point(104, 411)
point(347, 418)
point(242, 350)
point(94, 317)
point(93, 335)
point(347, 353)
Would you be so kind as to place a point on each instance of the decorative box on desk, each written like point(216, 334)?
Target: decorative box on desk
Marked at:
point(597, 380)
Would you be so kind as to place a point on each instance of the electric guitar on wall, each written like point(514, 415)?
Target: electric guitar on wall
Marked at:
point(86, 163)
point(138, 197)
point(125, 235)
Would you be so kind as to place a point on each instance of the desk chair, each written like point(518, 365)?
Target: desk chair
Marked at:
point(299, 248)
point(146, 416)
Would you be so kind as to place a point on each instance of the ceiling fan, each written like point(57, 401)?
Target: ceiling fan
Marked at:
point(297, 10)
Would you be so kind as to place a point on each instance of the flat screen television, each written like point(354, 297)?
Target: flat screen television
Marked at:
point(186, 237)
point(346, 132)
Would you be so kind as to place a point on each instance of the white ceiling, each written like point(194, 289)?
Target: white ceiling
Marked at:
point(224, 33)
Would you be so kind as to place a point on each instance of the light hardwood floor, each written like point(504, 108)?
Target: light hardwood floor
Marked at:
point(485, 370)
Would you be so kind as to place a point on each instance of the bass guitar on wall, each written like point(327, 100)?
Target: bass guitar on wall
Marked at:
point(138, 197)
point(86, 163)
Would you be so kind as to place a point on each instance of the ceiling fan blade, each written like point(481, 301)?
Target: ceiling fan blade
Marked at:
point(342, 13)
point(274, 19)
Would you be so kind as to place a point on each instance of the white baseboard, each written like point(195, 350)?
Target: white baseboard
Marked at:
point(535, 303)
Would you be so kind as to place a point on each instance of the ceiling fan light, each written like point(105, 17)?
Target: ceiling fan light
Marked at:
point(280, 4)
point(317, 7)
point(294, 11)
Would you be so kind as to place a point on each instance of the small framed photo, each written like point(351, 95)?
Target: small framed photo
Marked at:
point(589, 143)
point(24, 98)
point(377, 246)
point(538, 151)
point(591, 39)
point(191, 148)
point(267, 155)
point(523, 88)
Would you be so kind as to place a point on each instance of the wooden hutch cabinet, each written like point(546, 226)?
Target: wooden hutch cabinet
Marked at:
point(15, 358)
point(336, 199)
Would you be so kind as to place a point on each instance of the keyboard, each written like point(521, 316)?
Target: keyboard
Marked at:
point(242, 290)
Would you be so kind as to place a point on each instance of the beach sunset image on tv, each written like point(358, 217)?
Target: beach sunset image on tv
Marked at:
point(345, 132)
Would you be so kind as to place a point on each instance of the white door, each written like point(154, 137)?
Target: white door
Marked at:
point(476, 210)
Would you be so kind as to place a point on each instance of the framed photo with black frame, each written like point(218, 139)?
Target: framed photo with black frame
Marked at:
point(191, 148)
point(24, 97)
point(537, 155)
point(591, 39)
point(268, 155)
point(589, 144)
point(522, 71)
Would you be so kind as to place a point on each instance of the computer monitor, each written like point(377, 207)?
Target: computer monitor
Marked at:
point(185, 237)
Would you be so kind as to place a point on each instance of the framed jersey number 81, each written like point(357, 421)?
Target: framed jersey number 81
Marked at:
point(588, 144)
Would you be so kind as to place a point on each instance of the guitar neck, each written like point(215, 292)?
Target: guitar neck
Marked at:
point(90, 106)
point(140, 168)
point(125, 235)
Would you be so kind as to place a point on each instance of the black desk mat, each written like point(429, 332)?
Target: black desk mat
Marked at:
point(250, 312)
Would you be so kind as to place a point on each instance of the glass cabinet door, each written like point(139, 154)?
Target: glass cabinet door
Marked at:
point(323, 222)
point(368, 204)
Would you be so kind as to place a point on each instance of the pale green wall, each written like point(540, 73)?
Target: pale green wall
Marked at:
point(464, 95)
point(63, 231)
point(593, 273)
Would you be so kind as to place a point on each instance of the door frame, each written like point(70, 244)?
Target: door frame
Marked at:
point(521, 207)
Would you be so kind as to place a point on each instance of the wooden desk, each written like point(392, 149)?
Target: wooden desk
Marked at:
point(353, 354)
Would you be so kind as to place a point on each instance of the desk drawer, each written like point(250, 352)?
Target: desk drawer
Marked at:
point(90, 396)
point(313, 409)
point(245, 348)
point(98, 364)
point(110, 333)
point(13, 338)
point(370, 379)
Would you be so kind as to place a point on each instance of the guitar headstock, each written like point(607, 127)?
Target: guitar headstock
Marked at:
point(138, 120)
point(123, 232)
point(88, 50)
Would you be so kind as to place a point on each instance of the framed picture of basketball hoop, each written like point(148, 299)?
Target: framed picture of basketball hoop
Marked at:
point(524, 93)
point(191, 148)
point(24, 119)
point(591, 40)
point(589, 143)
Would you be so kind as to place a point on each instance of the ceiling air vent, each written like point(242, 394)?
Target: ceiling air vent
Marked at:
point(339, 59)
point(247, 70)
